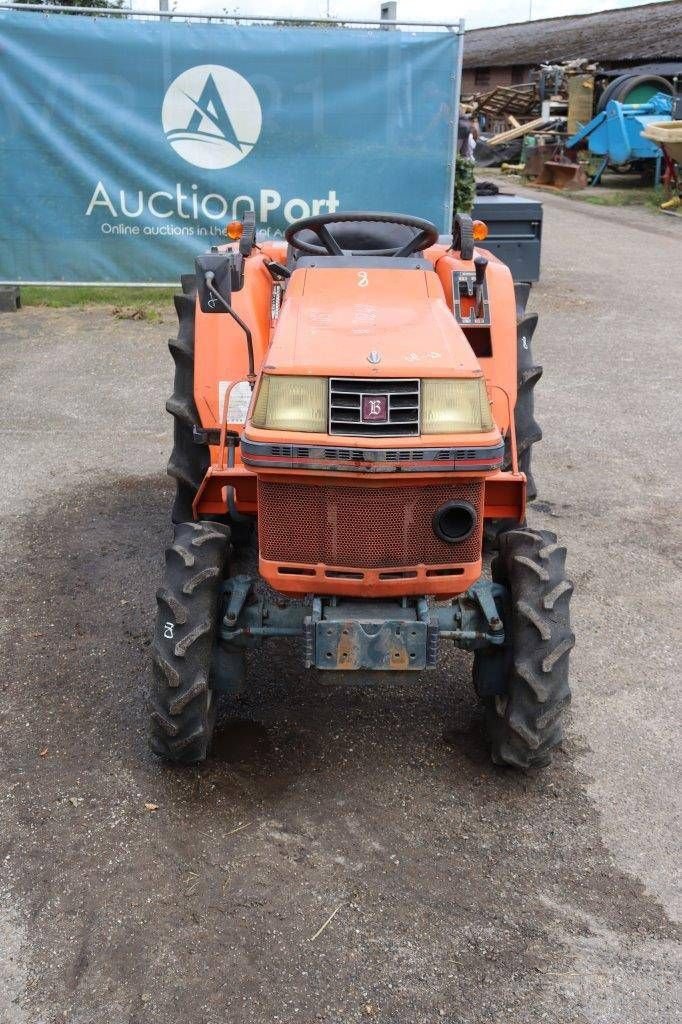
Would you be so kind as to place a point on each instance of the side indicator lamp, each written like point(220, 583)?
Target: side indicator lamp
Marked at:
point(234, 230)
point(480, 231)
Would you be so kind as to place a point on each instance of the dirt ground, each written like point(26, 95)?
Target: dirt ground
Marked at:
point(459, 893)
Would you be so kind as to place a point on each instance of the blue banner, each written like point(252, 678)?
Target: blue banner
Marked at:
point(127, 145)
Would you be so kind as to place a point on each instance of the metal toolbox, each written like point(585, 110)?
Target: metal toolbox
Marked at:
point(515, 226)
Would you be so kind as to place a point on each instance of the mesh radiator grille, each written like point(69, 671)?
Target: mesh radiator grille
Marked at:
point(363, 527)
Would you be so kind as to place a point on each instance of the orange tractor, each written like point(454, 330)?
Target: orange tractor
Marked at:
point(363, 393)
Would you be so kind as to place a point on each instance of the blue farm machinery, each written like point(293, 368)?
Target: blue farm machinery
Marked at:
point(616, 135)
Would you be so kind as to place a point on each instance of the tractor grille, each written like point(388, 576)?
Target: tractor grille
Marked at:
point(350, 407)
point(363, 527)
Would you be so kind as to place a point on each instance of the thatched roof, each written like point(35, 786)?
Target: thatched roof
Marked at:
point(649, 32)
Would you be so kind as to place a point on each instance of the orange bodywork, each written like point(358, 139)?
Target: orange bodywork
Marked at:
point(330, 320)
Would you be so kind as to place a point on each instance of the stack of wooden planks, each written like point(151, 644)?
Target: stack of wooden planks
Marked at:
point(516, 133)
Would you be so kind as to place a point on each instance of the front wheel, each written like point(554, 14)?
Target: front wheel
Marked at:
point(530, 674)
point(182, 702)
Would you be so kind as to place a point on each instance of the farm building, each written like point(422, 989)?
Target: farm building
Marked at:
point(650, 35)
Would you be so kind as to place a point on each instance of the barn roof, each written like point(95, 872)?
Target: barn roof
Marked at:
point(648, 32)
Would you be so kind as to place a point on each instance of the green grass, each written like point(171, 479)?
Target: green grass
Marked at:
point(612, 191)
point(137, 303)
point(650, 197)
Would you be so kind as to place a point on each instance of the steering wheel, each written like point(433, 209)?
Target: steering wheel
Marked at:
point(426, 234)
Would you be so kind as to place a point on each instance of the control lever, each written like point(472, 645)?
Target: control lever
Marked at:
point(277, 271)
point(480, 265)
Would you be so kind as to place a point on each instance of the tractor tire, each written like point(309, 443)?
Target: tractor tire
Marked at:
point(182, 707)
point(527, 428)
point(463, 236)
point(622, 87)
point(189, 461)
point(521, 295)
point(640, 88)
point(609, 92)
point(524, 723)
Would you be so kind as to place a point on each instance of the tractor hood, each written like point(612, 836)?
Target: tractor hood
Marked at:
point(378, 322)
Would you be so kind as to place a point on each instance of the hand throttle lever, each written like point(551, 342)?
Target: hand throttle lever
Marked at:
point(480, 265)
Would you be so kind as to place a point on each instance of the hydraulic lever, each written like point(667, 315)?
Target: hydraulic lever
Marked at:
point(480, 265)
point(277, 271)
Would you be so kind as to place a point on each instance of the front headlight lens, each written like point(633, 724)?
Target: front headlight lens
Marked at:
point(291, 403)
point(455, 406)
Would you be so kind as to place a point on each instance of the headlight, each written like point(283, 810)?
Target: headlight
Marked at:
point(291, 403)
point(455, 406)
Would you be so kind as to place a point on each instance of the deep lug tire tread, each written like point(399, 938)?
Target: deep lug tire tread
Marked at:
point(525, 725)
point(527, 429)
point(189, 461)
point(182, 712)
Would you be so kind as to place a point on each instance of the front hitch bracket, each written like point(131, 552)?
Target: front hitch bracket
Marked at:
point(346, 634)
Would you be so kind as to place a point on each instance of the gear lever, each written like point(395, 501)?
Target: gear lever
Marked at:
point(480, 265)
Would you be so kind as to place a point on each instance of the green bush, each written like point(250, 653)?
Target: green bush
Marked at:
point(465, 185)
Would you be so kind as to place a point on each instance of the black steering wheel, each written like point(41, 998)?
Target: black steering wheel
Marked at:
point(426, 234)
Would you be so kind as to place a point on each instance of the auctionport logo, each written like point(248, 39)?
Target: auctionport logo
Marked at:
point(211, 116)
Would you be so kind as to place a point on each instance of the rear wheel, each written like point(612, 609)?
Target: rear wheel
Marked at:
point(182, 701)
point(527, 429)
point(610, 91)
point(189, 459)
point(640, 88)
point(530, 674)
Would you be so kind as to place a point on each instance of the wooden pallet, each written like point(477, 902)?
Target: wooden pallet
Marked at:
point(509, 99)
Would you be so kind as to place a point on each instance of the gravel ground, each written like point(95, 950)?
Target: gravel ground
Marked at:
point(460, 893)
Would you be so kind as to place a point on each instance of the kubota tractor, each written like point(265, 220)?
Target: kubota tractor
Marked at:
point(362, 393)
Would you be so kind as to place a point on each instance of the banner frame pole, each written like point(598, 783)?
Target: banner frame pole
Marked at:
point(456, 89)
point(124, 12)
